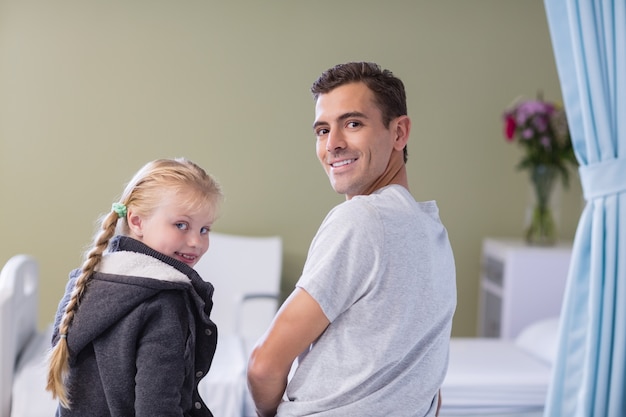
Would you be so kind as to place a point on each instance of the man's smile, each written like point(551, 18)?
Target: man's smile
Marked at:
point(341, 163)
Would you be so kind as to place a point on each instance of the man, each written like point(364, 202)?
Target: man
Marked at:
point(371, 315)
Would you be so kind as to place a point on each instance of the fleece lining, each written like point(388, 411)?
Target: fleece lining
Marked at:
point(138, 264)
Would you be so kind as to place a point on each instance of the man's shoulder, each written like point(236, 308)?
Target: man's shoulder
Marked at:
point(355, 208)
point(391, 197)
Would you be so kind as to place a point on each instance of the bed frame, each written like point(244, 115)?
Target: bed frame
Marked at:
point(19, 281)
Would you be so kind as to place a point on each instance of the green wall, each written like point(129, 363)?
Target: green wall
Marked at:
point(91, 90)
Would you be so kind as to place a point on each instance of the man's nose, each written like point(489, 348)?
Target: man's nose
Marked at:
point(335, 141)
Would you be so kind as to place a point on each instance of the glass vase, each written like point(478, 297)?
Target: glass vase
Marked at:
point(541, 224)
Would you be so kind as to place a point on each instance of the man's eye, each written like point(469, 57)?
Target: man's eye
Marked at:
point(182, 226)
point(354, 124)
point(321, 132)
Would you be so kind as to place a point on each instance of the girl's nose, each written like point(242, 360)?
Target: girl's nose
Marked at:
point(194, 240)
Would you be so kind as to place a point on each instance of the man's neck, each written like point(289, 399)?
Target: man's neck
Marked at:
point(395, 173)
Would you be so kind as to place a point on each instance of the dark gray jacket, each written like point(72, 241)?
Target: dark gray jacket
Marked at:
point(141, 339)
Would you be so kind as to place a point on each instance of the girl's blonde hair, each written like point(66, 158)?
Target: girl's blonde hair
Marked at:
point(142, 194)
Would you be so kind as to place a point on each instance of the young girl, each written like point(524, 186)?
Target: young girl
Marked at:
point(132, 335)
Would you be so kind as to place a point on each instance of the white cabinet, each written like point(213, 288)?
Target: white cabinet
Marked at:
point(519, 285)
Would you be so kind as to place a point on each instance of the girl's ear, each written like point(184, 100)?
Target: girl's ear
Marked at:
point(134, 224)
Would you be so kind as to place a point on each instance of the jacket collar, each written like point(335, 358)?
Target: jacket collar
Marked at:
point(141, 265)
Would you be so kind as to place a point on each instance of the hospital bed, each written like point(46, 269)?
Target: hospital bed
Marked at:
point(501, 377)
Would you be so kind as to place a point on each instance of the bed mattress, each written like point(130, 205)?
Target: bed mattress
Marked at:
point(488, 376)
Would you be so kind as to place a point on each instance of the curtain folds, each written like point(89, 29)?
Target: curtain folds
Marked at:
point(589, 42)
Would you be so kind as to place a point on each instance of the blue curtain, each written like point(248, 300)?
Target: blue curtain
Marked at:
point(589, 42)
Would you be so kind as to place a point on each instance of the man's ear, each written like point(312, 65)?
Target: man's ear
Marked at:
point(402, 130)
point(134, 224)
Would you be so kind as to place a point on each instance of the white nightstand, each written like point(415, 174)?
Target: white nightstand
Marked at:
point(519, 285)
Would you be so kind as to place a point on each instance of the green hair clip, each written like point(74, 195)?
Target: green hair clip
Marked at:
point(120, 209)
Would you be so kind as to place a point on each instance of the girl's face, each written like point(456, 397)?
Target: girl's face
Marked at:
point(174, 229)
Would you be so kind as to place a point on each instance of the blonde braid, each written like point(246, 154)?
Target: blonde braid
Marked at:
point(59, 356)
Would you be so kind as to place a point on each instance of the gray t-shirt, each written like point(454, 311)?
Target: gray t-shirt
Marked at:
point(382, 270)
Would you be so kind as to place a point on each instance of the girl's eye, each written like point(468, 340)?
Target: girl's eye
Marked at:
point(182, 226)
point(205, 230)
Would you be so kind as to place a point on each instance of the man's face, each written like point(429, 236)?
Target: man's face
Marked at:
point(353, 145)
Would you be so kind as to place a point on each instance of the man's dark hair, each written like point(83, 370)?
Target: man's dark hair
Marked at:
point(389, 93)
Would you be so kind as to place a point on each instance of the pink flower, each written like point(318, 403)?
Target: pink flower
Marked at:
point(527, 109)
point(509, 127)
point(528, 133)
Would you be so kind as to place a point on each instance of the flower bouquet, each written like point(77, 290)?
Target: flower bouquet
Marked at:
point(540, 128)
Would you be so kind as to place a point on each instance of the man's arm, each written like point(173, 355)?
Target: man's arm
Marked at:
point(298, 323)
point(438, 403)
